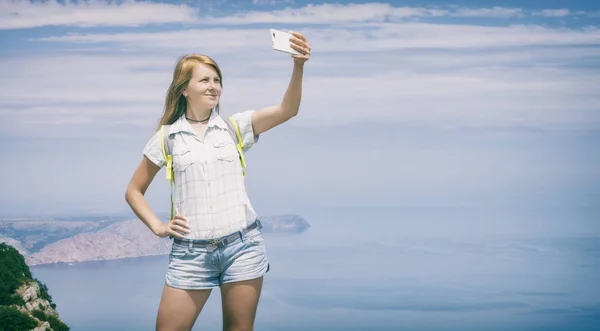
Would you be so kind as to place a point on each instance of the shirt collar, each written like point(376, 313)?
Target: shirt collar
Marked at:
point(183, 125)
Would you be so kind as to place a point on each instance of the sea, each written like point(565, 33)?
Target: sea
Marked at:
point(362, 271)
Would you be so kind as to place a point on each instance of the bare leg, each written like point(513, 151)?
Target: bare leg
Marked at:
point(240, 300)
point(179, 309)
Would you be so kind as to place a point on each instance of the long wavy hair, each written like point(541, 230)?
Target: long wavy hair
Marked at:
point(175, 102)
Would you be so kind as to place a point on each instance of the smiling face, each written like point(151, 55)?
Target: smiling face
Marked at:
point(204, 87)
point(197, 83)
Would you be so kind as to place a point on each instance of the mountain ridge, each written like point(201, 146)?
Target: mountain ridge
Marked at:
point(76, 240)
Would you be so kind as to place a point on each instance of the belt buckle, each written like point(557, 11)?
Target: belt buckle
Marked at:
point(212, 245)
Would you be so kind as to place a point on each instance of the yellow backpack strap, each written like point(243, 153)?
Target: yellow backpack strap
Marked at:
point(167, 147)
point(234, 130)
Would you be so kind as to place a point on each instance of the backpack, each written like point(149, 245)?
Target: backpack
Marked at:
point(167, 150)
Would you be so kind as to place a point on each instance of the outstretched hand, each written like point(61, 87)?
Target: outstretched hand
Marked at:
point(300, 44)
point(176, 227)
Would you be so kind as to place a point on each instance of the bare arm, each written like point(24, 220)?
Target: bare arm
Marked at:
point(268, 118)
point(134, 195)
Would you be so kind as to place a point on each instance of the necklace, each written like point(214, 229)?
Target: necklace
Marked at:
point(193, 120)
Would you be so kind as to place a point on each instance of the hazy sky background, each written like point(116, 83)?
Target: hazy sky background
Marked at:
point(493, 105)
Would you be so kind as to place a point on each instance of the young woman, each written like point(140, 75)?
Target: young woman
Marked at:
point(217, 240)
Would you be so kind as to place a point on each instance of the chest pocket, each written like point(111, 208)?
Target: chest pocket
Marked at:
point(225, 150)
point(182, 158)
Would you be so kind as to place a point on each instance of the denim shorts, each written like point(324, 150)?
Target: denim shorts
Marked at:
point(200, 264)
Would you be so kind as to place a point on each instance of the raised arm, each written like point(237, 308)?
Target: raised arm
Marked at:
point(268, 118)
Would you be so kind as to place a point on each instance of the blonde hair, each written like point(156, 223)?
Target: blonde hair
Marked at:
point(175, 102)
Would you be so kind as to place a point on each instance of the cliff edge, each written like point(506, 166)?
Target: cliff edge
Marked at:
point(25, 303)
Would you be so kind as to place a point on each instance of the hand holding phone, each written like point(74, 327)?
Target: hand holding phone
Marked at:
point(281, 42)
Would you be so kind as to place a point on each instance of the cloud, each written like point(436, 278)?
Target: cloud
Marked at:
point(444, 75)
point(21, 14)
point(441, 89)
point(495, 12)
point(365, 37)
point(209, 39)
point(553, 12)
point(271, 2)
point(369, 12)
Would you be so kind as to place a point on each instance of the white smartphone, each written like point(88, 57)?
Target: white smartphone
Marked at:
point(281, 42)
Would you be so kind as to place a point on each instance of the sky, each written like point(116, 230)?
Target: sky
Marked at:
point(405, 104)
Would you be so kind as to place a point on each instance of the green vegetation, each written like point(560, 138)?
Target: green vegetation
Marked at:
point(55, 323)
point(13, 274)
point(11, 319)
point(44, 294)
